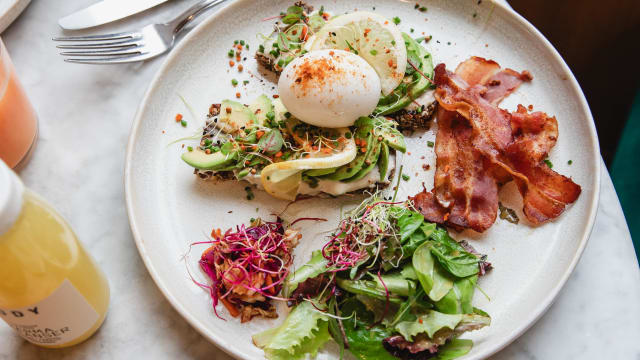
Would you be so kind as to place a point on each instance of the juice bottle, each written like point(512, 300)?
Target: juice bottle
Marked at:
point(51, 290)
point(18, 121)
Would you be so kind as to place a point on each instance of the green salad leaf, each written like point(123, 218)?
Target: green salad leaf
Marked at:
point(365, 342)
point(452, 256)
point(408, 223)
point(303, 332)
point(429, 323)
point(433, 278)
point(454, 349)
point(458, 299)
point(316, 266)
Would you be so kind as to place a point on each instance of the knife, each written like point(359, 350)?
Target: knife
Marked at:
point(104, 12)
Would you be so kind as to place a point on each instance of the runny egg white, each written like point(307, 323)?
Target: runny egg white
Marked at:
point(329, 88)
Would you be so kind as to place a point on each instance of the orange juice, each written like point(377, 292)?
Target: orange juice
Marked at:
point(18, 121)
point(52, 293)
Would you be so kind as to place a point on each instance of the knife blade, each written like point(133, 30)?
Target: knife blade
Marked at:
point(104, 12)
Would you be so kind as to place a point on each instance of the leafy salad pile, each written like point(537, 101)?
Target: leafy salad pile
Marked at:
point(386, 285)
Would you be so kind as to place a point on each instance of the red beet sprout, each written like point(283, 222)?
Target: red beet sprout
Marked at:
point(256, 258)
point(354, 235)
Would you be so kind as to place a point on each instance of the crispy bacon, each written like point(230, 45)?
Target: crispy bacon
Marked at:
point(480, 146)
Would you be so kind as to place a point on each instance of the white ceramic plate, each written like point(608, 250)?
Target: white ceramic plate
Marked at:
point(169, 208)
point(9, 11)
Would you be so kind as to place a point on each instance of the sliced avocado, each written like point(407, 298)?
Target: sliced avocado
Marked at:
point(320, 172)
point(235, 116)
point(279, 110)
point(403, 96)
point(370, 161)
point(260, 107)
point(201, 160)
point(349, 170)
point(393, 138)
point(383, 161)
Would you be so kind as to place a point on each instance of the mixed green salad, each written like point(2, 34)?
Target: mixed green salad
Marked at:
point(386, 285)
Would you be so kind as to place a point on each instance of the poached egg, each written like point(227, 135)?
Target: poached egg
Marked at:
point(329, 88)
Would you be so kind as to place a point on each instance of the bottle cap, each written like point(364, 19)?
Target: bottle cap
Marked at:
point(11, 192)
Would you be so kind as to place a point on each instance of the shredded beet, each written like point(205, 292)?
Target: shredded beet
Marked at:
point(251, 262)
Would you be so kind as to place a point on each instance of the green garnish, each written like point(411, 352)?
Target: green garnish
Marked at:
point(190, 148)
point(245, 82)
point(423, 9)
point(373, 52)
point(348, 135)
point(242, 42)
point(405, 177)
point(570, 162)
point(351, 48)
point(396, 20)
point(183, 123)
point(549, 163)
point(430, 144)
point(234, 82)
point(231, 53)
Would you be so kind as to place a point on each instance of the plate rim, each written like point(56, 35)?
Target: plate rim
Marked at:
point(535, 315)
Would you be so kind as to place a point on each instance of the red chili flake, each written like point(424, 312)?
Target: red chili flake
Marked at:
point(276, 96)
point(238, 95)
point(366, 32)
point(231, 63)
point(228, 110)
point(178, 117)
point(390, 63)
point(240, 67)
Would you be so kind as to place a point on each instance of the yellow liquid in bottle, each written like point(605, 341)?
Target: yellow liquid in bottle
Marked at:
point(38, 254)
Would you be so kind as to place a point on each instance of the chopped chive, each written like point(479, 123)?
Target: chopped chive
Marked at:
point(231, 53)
point(570, 162)
point(261, 48)
point(405, 177)
point(190, 148)
point(235, 42)
point(396, 20)
point(374, 52)
point(245, 82)
point(242, 42)
point(423, 9)
point(183, 123)
point(247, 46)
point(549, 163)
point(234, 82)
point(347, 135)
point(411, 30)
point(393, 42)
point(430, 144)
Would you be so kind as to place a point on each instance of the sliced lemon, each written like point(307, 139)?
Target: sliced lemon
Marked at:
point(282, 179)
point(374, 38)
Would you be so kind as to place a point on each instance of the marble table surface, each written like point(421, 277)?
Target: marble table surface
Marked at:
point(85, 116)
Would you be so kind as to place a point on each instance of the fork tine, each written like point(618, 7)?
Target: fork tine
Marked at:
point(115, 36)
point(101, 45)
point(110, 52)
point(112, 60)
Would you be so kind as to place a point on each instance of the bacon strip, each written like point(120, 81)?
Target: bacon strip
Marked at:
point(479, 146)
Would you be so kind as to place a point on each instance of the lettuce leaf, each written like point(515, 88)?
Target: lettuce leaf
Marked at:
point(435, 281)
point(458, 299)
point(429, 323)
point(365, 342)
point(303, 332)
point(454, 349)
point(316, 266)
point(452, 256)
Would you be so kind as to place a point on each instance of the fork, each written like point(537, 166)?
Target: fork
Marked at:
point(146, 43)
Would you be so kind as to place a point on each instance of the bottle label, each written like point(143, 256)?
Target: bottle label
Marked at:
point(60, 318)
